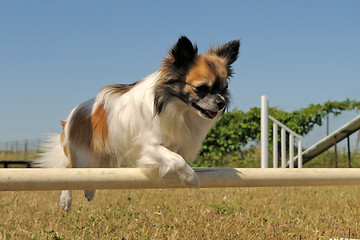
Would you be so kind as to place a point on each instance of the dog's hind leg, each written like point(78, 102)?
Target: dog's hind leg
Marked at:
point(89, 194)
point(66, 200)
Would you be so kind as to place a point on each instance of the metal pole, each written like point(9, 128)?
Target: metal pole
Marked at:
point(25, 149)
point(300, 160)
point(291, 150)
point(264, 131)
point(275, 146)
point(335, 153)
point(327, 125)
point(349, 153)
point(283, 148)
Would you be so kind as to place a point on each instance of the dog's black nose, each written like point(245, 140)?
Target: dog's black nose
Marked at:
point(221, 104)
point(220, 101)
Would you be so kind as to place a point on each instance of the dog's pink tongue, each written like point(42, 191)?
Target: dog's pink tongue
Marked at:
point(212, 114)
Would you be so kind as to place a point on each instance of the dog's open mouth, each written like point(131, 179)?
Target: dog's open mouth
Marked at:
point(204, 112)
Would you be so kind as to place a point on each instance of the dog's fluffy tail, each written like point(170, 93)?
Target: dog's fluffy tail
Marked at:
point(52, 155)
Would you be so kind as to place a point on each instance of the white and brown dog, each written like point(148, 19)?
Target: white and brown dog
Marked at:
point(158, 122)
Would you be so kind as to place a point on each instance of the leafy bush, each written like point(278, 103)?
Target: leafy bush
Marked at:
point(237, 129)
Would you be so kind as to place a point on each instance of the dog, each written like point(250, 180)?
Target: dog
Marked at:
point(158, 122)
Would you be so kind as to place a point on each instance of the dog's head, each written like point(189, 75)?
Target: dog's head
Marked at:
point(198, 80)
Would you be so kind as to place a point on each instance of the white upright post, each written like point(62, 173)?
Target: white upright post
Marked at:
point(264, 132)
point(275, 146)
point(300, 153)
point(283, 148)
point(291, 150)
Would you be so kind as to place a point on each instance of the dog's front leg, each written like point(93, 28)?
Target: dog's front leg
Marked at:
point(158, 156)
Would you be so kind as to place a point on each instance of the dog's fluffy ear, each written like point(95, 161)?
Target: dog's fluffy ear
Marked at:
point(181, 56)
point(184, 52)
point(229, 51)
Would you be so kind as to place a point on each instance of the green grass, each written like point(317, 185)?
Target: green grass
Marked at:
point(244, 213)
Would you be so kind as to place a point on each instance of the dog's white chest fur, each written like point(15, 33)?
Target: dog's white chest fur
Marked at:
point(133, 125)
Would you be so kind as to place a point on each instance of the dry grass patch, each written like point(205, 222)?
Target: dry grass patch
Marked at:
point(246, 213)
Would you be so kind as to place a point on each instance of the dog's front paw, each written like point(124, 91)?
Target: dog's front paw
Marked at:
point(189, 177)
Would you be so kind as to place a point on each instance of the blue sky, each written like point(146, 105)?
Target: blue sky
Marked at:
point(56, 54)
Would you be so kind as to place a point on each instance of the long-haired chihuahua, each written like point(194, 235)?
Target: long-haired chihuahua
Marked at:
point(158, 122)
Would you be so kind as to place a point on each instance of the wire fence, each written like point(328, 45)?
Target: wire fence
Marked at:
point(21, 145)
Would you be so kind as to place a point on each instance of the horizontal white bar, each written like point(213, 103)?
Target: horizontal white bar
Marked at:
point(283, 126)
point(134, 178)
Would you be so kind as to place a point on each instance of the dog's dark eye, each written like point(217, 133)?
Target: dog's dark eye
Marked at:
point(224, 90)
point(203, 88)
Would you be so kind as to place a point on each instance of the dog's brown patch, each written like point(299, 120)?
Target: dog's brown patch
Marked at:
point(63, 123)
point(62, 136)
point(207, 70)
point(89, 130)
point(80, 131)
point(72, 159)
point(99, 129)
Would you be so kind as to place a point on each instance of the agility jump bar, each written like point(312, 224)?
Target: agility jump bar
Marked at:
point(136, 178)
